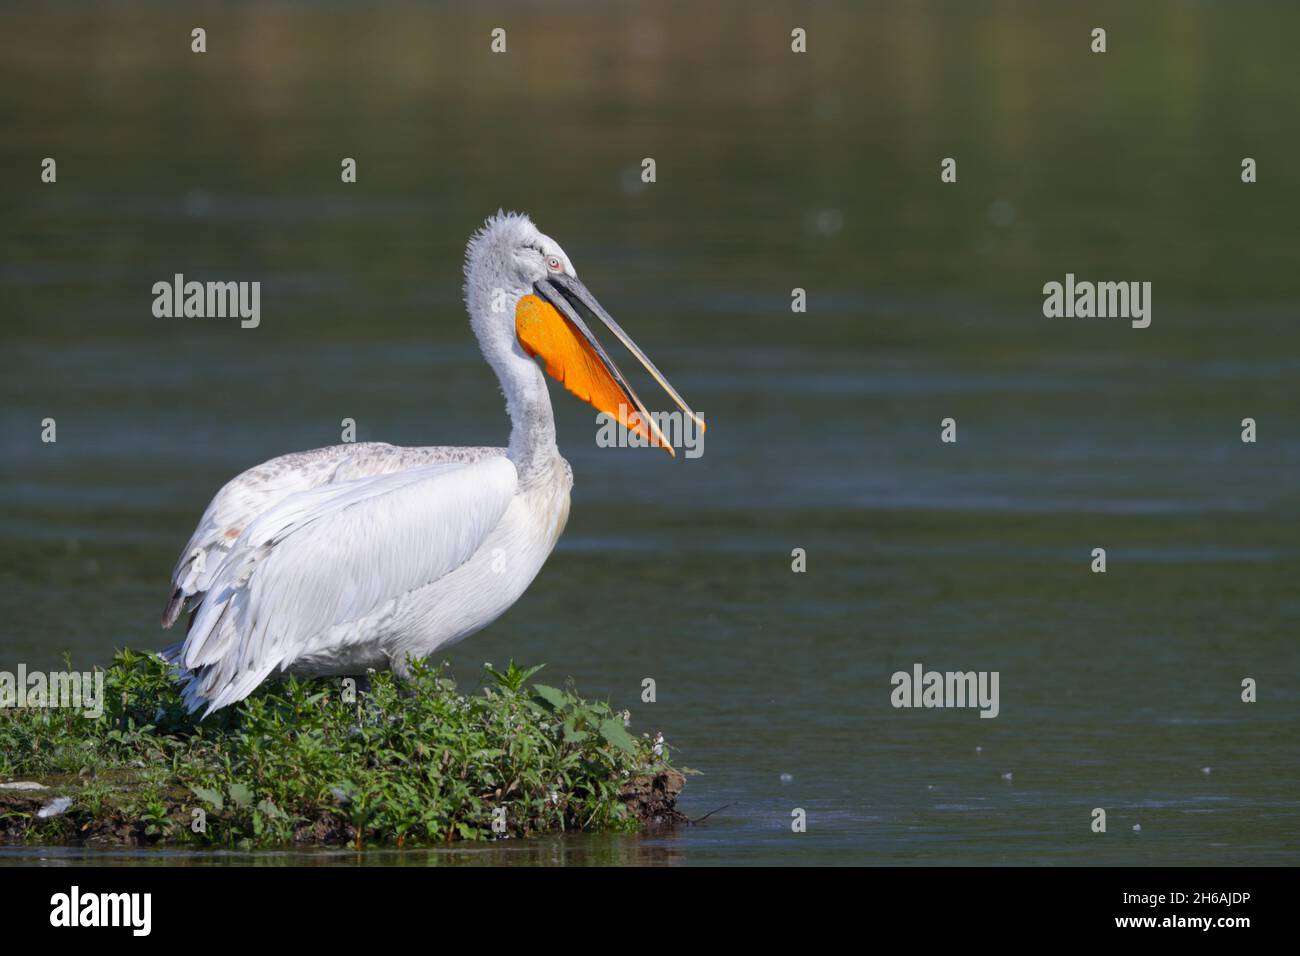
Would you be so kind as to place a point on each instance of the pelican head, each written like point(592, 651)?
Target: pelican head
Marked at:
point(526, 302)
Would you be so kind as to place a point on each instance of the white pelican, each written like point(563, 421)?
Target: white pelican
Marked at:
point(340, 559)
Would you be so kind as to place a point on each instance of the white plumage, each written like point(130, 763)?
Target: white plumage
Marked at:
point(357, 553)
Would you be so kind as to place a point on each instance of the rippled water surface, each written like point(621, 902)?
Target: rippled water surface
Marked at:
point(774, 171)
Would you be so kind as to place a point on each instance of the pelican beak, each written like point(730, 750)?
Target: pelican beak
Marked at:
point(549, 325)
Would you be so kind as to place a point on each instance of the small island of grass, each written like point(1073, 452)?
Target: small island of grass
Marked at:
point(308, 762)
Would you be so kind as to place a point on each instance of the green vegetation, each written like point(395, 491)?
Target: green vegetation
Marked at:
point(402, 763)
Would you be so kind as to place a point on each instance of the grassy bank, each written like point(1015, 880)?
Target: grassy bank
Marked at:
point(307, 762)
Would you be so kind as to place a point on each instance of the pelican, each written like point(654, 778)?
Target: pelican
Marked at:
point(368, 555)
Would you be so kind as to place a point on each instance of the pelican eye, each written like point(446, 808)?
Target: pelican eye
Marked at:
point(553, 264)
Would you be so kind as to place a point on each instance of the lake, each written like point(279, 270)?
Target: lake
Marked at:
point(774, 171)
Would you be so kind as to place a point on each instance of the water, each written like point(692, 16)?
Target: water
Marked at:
point(774, 171)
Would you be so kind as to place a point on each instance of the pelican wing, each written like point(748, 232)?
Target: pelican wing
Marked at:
point(331, 555)
point(253, 492)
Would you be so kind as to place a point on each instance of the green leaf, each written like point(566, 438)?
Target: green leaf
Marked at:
point(241, 795)
point(212, 797)
point(526, 674)
point(552, 695)
point(271, 810)
point(514, 677)
point(613, 731)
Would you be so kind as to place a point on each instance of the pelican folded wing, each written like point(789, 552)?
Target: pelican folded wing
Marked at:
point(331, 555)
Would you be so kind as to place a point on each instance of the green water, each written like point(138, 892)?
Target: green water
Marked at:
point(924, 301)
